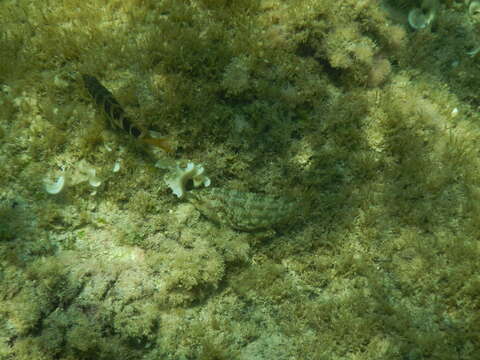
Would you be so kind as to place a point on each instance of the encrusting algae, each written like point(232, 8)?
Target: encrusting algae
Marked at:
point(369, 124)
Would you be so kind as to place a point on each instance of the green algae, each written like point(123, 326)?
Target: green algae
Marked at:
point(338, 103)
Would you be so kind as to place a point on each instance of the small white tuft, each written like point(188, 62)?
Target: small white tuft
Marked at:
point(116, 166)
point(454, 112)
point(55, 187)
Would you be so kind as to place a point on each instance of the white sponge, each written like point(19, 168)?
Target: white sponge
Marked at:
point(178, 178)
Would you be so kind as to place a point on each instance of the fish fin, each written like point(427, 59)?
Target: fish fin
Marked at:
point(162, 143)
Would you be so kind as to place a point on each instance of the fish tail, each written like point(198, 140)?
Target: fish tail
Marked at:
point(162, 143)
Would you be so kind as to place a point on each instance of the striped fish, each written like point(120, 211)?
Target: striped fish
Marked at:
point(116, 115)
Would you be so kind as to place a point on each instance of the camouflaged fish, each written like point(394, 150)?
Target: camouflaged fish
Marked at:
point(116, 115)
point(245, 211)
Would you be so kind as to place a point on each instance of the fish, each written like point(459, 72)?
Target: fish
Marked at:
point(245, 211)
point(117, 116)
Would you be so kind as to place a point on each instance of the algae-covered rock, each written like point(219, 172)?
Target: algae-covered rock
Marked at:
point(338, 107)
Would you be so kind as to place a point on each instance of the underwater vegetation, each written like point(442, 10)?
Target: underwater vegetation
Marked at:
point(333, 205)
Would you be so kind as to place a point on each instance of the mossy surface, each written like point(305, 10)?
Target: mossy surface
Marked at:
point(373, 127)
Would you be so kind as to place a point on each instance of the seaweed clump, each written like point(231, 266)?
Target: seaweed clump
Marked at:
point(372, 124)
